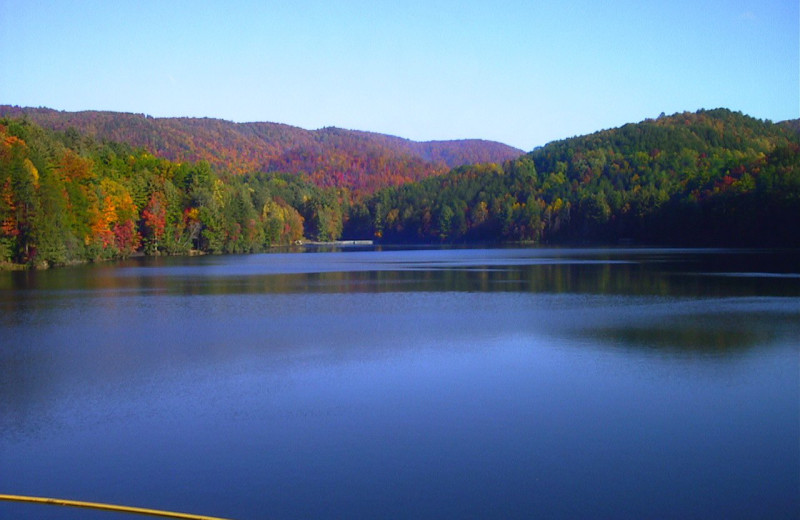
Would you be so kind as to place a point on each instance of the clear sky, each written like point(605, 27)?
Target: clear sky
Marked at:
point(520, 72)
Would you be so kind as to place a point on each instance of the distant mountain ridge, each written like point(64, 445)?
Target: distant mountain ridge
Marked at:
point(361, 161)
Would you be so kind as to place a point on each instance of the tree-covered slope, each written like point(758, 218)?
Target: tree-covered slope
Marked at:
point(711, 177)
point(360, 161)
point(792, 124)
point(68, 198)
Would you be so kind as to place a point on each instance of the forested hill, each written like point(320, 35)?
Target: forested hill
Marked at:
point(360, 161)
point(792, 124)
point(711, 178)
point(714, 177)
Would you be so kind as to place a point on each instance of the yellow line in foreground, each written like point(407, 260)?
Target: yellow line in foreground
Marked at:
point(105, 507)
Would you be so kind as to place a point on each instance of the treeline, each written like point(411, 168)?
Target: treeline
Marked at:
point(707, 178)
point(66, 198)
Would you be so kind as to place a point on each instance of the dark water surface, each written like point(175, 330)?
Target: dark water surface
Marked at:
point(471, 383)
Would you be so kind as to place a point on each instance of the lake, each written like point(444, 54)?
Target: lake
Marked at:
point(420, 383)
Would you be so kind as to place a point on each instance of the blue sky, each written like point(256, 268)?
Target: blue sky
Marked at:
point(520, 72)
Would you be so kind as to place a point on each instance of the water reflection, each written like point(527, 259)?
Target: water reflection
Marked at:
point(637, 272)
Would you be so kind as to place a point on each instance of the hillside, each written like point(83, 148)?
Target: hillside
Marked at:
point(714, 177)
point(792, 124)
point(360, 161)
point(710, 178)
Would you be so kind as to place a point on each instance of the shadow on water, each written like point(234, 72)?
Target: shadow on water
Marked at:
point(710, 335)
point(682, 338)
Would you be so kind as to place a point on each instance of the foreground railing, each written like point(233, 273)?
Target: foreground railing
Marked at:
point(105, 507)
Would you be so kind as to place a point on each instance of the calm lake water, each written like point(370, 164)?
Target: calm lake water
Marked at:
point(428, 383)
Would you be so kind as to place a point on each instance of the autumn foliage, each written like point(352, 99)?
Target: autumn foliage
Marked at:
point(362, 162)
point(706, 178)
